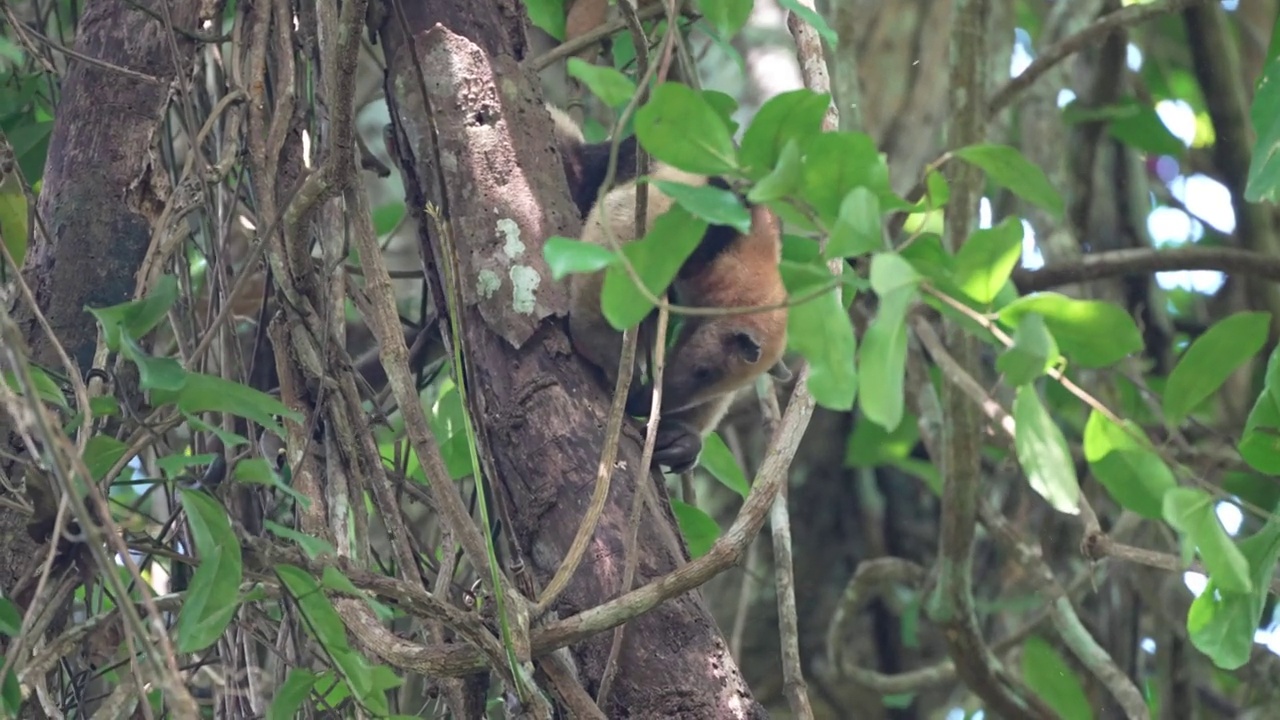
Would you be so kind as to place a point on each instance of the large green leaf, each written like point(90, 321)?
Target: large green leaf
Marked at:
point(1007, 167)
point(882, 361)
point(1264, 165)
point(700, 531)
point(1126, 465)
point(213, 595)
point(1222, 623)
point(1211, 359)
point(566, 256)
point(679, 127)
point(612, 87)
point(1191, 511)
point(1050, 677)
point(857, 229)
point(1033, 352)
point(986, 260)
point(820, 331)
point(1043, 453)
point(656, 257)
point(788, 117)
point(1092, 333)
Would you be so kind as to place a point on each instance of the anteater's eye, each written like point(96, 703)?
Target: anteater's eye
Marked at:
point(702, 375)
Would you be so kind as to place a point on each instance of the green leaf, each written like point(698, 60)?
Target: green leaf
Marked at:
point(870, 445)
point(10, 691)
point(548, 15)
point(46, 389)
point(717, 460)
point(705, 202)
point(788, 117)
point(154, 373)
point(1034, 351)
point(10, 618)
point(726, 16)
point(723, 103)
point(326, 626)
point(1260, 442)
point(177, 463)
point(1127, 466)
point(679, 127)
point(1043, 453)
point(1211, 359)
point(700, 531)
point(101, 454)
point(837, 162)
point(137, 317)
point(290, 696)
point(11, 51)
point(215, 586)
point(1092, 333)
point(210, 526)
point(1264, 165)
point(882, 361)
point(314, 547)
point(203, 393)
point(1191, 512)
point(1130, 121)
point(211, 601)
point(890, 273)
point(939, 192)
point(104, 406)
point(657, 257)
point(14, 230)
point(566, 256)
point(857, 229)
point(387, 217)
point(783, 180)
point(612, 87)
point(1006, 167)
point(1050, 677)
point(1222, 624)
point(1142, 128)
point(821, 332)
point(30, 142)
point(257, 471)
point(813, 19)
point(449, 423)
point(986, 260)
point(228, 438)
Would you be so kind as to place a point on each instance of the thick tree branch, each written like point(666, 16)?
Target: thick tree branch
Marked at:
point(1141, 261)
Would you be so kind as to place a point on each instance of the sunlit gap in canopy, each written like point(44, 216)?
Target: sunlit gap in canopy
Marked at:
point(1203, 199)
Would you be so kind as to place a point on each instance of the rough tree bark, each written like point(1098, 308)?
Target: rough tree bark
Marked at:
point(102, 189)
point(476, 145)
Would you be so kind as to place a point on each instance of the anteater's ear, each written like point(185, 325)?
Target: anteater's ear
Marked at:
point(780, 371)
point(745, 344)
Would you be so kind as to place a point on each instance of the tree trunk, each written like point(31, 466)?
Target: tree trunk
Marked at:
point(102, 192)
point(488, 167)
